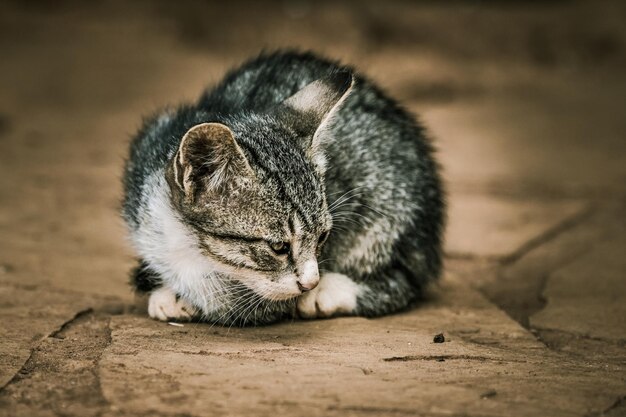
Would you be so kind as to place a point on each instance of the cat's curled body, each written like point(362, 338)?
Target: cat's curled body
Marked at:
point(293, 187)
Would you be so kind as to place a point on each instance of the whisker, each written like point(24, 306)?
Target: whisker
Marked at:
point(345, 197)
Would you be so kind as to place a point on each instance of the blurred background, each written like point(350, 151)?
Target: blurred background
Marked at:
point(523, 99)
point(525, 102)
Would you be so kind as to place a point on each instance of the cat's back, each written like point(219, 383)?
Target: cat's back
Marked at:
point(265, 81)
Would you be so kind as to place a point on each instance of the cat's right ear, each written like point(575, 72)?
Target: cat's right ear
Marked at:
point(311, 109)
point(316, 101)
point(208, 159)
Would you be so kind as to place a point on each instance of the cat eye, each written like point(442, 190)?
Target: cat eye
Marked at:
point(280, 248)
point(322, 238)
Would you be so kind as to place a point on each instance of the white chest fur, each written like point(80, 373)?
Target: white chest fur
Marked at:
point(171, 249)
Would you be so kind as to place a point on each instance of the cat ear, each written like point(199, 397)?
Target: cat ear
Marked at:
point(317, 100)
point(208, 159)
point(312, 108)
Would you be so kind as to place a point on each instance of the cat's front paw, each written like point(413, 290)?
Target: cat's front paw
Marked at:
point(165, 306)
point(335, 295)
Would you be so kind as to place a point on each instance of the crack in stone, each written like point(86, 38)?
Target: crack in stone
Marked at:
point(533, 300)
point(532, 244)
point(548, 235)
point(64, 367)
point(22, 370)
point(375, 410)
point(523, 301)
point(620, 402)
point(443, 358)
point(70, 322)
point(53, 334)
point(385, 411)
point(573, 335)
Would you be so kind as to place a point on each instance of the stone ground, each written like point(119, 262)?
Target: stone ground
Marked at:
point(526, 104)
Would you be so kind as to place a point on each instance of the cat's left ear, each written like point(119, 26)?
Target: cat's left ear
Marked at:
point(208, 160)
point(312, 109)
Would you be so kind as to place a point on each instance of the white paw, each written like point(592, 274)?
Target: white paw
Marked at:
point(336, 294)
point(164, 306)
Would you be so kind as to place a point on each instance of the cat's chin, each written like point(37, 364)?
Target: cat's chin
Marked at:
point(272, 291)
point(282, 289)
point(285, 288)
point(277, 294)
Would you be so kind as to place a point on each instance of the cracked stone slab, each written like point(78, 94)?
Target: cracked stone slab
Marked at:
point(587, 297)
point(517, 287)
point(488, 366)
point(498, 227)
point(29, 315)
point(59, 378)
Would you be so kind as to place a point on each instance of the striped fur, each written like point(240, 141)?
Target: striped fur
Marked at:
point(287, 148)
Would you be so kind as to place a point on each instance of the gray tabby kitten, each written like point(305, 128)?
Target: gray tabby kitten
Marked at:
point(295, 187)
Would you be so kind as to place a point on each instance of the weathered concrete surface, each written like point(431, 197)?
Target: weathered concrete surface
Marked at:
point(31, 314)
point(551, 286)
point(584, 297)
point(512, 226)
point(22, 327)
point(60, 375)
point(525, 103)
point(353, 366)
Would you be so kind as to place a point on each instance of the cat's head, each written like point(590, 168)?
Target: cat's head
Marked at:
point(252, 190)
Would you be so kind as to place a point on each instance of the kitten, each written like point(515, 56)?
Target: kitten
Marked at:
point(293, 187)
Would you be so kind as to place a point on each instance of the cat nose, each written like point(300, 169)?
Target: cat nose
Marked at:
point(306, 287)
point(309, 276)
